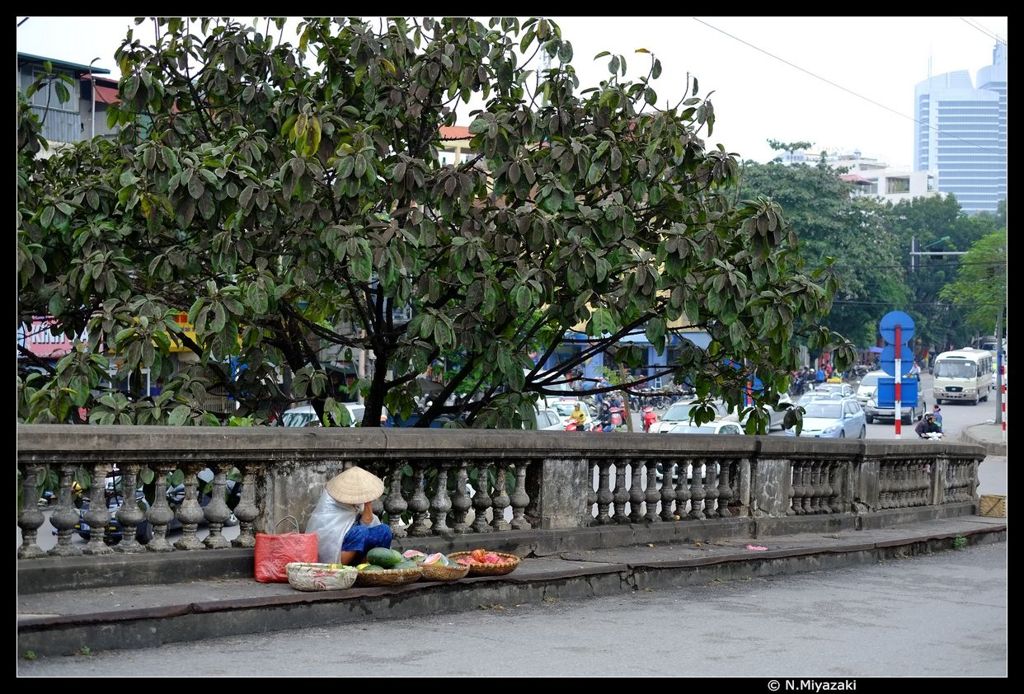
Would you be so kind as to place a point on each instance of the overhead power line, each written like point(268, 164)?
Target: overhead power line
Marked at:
point(845, 89)
point(982, 29)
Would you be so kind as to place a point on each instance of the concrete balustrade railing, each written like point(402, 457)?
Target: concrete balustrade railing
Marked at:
point(455, 482)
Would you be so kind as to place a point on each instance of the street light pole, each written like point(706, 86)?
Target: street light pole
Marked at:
point(92, 80)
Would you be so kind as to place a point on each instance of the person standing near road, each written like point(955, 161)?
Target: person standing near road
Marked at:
point(937, 415)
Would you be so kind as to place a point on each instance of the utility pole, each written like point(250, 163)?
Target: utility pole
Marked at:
point(1000, 405)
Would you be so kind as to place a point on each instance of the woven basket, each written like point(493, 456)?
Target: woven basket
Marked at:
point(992, 505)
point(507, 566)
point(310, 576)
point(440, 572)
point(388, 577)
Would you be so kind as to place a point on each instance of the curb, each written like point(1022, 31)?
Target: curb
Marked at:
point(153, 627)
point(991, 448)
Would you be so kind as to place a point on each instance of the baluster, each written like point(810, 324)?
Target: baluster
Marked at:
point(160, 513)
point(190, 512)
point(441, 503)
point(395, 504)
point(724, 490)
point(604, 493)
point(246, 511)
point(591, 490)
point(668, 493)
point(520, 499)
point(711, 468)
point(31, 517)
point(682, 487)
point(651, 496)
point(98, 515)
point(794, 497)
point(499, 502)
point(697, 494)
point(836, 485)
point(217, 511)
point(810, 491)
point(65, 515)
point(947, 493)
point(821, 490)
point(812, 502)
point(621, 496)
point(636, 492)
point(482, 499)
point(129, 515)
point(461, 501)
point(419, 504)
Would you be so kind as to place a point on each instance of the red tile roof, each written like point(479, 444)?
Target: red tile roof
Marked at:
point(455, 132)
point(107, 95)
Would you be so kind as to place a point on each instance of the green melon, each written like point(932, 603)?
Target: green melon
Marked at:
point(386, 558)
point(407, 565)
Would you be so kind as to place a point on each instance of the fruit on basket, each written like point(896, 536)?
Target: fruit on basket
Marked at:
point(482, 562)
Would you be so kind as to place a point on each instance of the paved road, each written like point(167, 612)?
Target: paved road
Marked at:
point(943, 614)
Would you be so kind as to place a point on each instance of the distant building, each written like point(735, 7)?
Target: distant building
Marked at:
point(71, 121)
point(870, 177)
point(961, 133)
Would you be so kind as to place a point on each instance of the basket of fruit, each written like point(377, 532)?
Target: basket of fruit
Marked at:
point(312, 576)
point(482, 562)
point(438, 567)
point(386, 567)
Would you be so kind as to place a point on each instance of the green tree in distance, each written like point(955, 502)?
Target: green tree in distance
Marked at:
point(980, 287)
point(290, 197)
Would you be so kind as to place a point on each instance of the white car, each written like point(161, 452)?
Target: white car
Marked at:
point(716, 427)
point(775, 417)
point(549, 420)
point(679, 413)
point(305, 416)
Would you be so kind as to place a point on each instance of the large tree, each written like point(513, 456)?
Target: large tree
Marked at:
point(291, 197)
point(849, 235)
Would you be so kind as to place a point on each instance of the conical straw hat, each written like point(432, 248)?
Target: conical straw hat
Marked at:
point(355, 486)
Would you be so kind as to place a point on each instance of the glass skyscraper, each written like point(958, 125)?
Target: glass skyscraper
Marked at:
point(961, 133)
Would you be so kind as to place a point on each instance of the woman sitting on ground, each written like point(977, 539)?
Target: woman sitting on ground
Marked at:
point(344, 520)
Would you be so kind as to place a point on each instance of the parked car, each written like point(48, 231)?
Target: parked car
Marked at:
point(716, 427)
point(679, 413)
point(845, 390)
point(306, 416)
point(841, 419)
point(549, 420)
point(816, 395)
point(867, 387)
point(775, 416)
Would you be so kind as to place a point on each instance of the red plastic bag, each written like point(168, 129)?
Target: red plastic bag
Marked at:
point(274, 552)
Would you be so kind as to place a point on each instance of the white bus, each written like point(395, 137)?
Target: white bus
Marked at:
point(964, 374)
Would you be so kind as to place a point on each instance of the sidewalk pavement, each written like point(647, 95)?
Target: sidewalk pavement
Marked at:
point(141, 616)
point(987, 435)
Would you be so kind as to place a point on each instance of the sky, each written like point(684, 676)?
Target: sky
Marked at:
point(756, 96)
